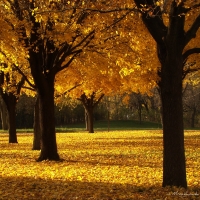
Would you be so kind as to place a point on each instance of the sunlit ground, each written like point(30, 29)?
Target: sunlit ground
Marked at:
point(101, 166)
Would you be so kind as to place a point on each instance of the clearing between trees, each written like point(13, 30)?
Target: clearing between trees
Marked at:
point(99, 166)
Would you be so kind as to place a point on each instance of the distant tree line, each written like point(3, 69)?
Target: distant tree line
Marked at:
point(134, 106)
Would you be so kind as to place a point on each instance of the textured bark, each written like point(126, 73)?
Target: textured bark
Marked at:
point(10, 101)
point(11, 107)
point(174, 167)
point(4, 115)
point(47, 121)
point(36, 127)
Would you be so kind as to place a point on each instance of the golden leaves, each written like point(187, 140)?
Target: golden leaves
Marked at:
point(104, 165)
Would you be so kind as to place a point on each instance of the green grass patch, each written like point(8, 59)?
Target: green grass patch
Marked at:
point(113, 125)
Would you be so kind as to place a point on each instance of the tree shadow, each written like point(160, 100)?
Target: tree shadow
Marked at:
point(25, 188)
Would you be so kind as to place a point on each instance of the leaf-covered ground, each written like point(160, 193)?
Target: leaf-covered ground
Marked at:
point(101, 166)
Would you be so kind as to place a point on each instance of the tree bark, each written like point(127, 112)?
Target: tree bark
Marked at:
point(4, 114)
point(86, 121)
point(174, 167)
point(89, 104)
point(11, 102)
point(36, 127)
point(47, 120)
point(90, 115)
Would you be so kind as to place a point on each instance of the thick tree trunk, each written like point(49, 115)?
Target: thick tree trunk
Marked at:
point(4, 114)
point(47, 120)
point(11, 107)
point(36, 127)
point(174, 167)
point(171, 39)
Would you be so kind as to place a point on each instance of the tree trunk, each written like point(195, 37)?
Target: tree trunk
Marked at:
point(36, 127)
point(89, 104)
point(86, 121)
point(11, 107)
point(47, 120)
point(174, 167)
point(4, 114)
point(90, 119)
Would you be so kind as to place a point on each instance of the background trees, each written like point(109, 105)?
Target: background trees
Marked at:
point(10, 91)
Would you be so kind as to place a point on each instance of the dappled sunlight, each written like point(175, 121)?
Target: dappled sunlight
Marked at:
point(103, 165)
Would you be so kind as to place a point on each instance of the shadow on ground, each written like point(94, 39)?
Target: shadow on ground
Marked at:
point(20, 188)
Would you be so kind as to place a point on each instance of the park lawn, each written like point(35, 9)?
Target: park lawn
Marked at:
point(101, 166)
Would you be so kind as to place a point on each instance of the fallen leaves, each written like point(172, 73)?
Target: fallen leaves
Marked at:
point(101, 166)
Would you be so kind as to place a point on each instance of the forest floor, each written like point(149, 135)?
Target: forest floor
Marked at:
point(115, 165)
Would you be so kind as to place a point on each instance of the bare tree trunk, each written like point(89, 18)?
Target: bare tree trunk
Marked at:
point(4, 115)
point(89, 104)
point(174, 166)
point(86, 121)
point(11, 102)
point(90, 119)
point(47, 120)
point(36, 127)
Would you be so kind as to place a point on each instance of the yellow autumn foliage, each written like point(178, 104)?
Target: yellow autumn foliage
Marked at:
point(101, 166)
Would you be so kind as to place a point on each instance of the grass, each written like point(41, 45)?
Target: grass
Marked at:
point(102, 125)
point(123, 165)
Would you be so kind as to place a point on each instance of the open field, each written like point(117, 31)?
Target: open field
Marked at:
point(101, 166)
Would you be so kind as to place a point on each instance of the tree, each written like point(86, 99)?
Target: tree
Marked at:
point(173, 48)
point(138, 101)
point(10, 94)
point(55, 34)
point(111, 68)
point(89, 105)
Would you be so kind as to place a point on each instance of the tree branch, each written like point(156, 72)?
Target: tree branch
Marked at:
point(189, 70)
point(90, 10)
point(84, 39)
point(67, 91)
point(96, 103)
point(25, 77)
point(191, 33)
point(152, 18)
point(20, 84)
point(29, 88)
point(69, 62)
point(190, 52)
